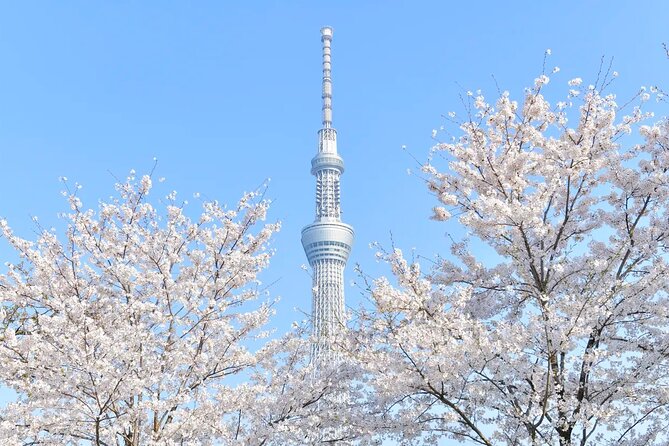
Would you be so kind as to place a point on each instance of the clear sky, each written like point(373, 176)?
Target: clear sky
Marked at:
point(227, 94)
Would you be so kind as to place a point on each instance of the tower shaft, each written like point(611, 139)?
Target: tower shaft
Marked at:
point(327, 241)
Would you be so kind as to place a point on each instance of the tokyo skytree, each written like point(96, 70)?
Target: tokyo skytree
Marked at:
point(327, 241)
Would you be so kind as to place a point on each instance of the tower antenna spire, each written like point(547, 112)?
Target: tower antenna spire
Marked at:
point(326, 39)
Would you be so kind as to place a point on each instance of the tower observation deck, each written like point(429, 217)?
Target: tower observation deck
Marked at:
point(327, 241)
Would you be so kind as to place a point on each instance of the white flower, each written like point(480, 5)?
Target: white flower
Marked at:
point(145, 184)
point(541, 80)
point(575, 82)
point(440, 213)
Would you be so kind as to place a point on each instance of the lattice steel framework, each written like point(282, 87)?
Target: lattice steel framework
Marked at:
point(327, 241)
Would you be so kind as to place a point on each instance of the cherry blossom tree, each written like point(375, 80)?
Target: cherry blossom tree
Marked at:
point(137, 327)
point(548, 323)
point(322, 402)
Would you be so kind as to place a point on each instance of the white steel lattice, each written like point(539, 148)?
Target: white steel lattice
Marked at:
point(328, 318)
point(327, 193)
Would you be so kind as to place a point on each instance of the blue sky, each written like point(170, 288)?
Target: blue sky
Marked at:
point(227, 94)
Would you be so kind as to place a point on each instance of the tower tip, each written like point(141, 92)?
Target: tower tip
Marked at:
point(326, 39)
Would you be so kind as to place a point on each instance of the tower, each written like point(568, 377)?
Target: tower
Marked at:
point(327, 241)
